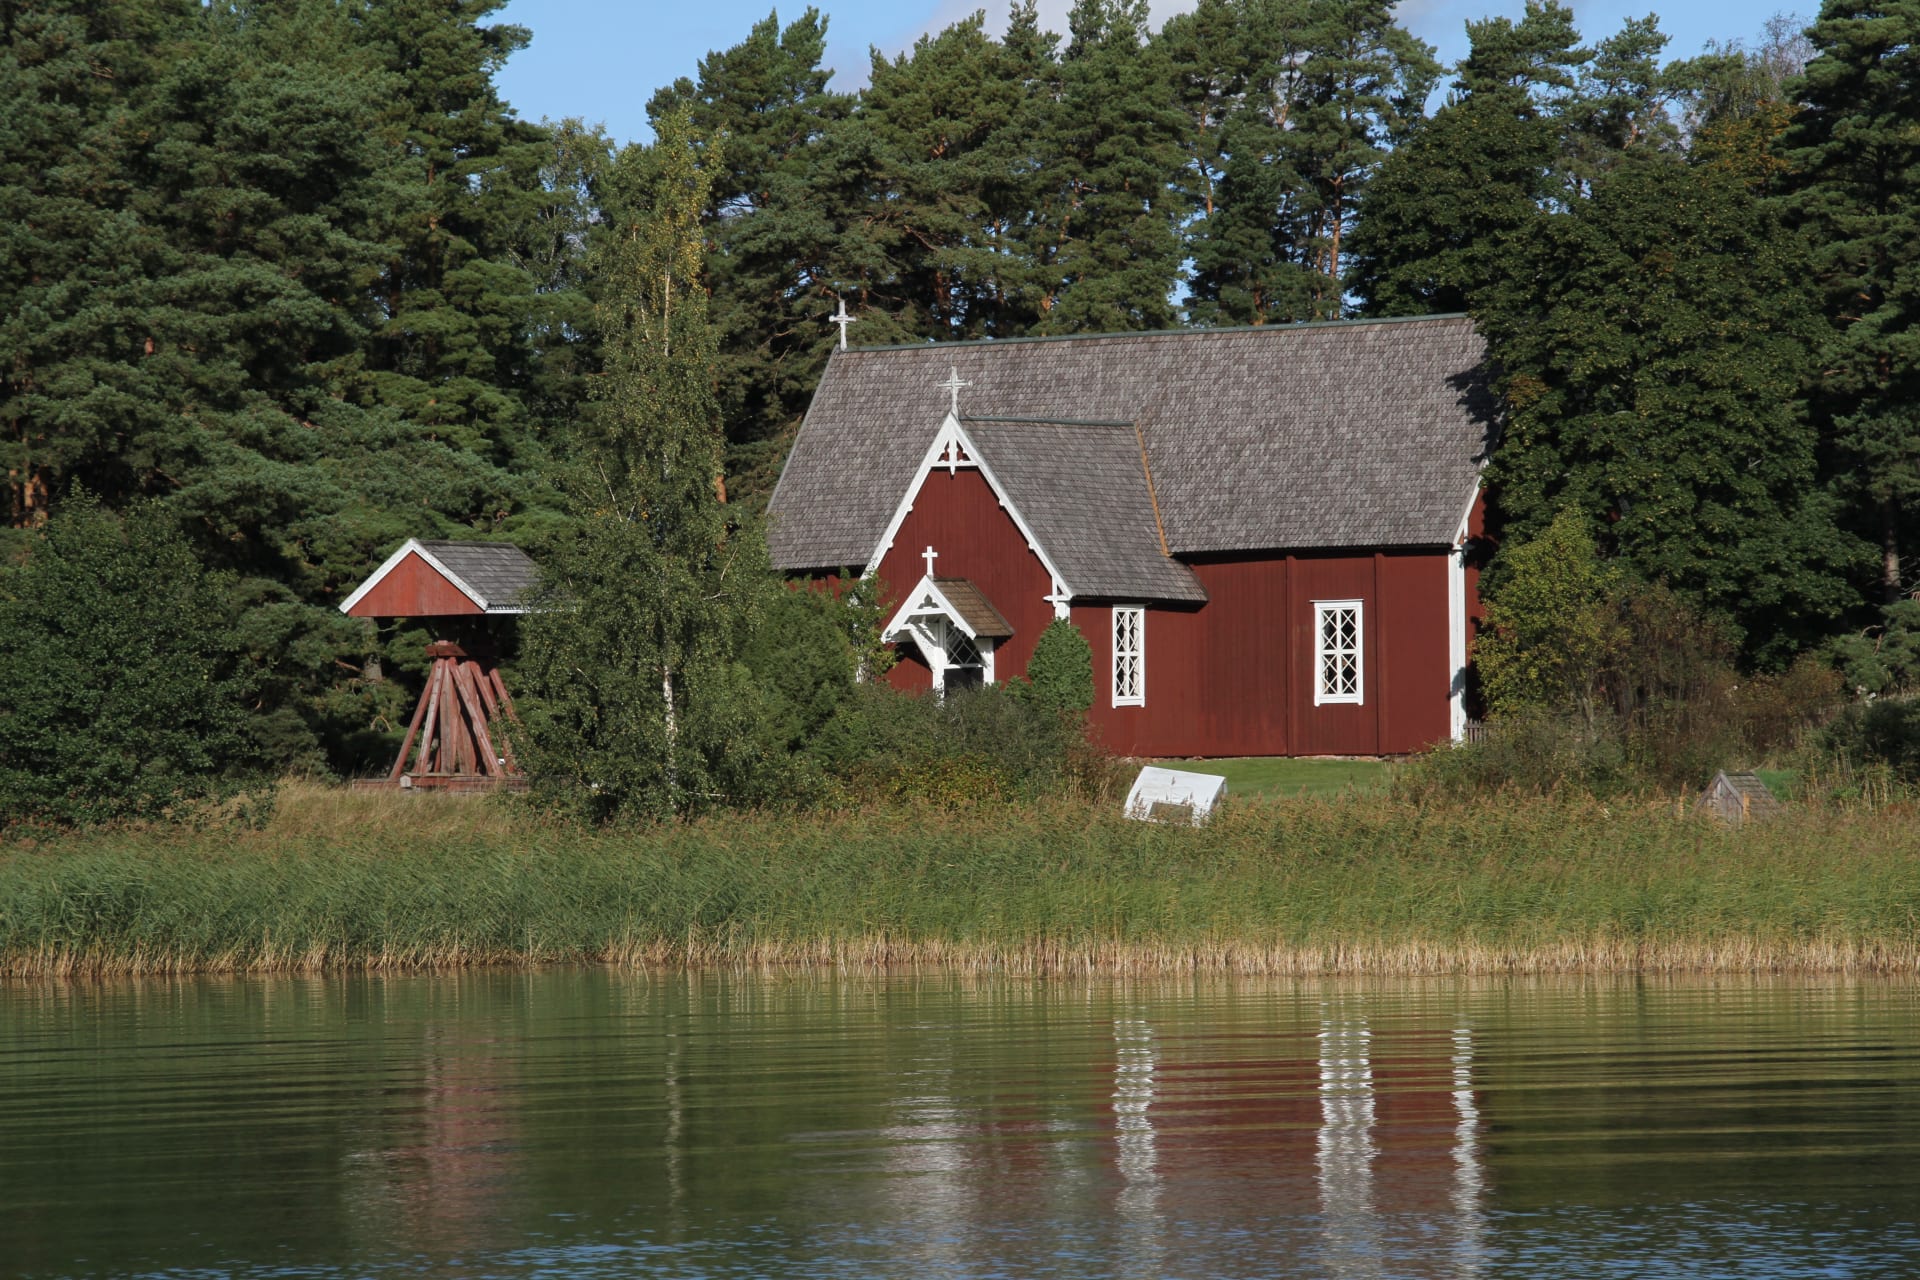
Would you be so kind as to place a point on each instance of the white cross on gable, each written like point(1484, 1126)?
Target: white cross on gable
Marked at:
point(953, 384)
point(929, 555)
point(842, 319)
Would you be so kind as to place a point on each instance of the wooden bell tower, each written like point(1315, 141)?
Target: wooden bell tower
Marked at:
point(460, 738)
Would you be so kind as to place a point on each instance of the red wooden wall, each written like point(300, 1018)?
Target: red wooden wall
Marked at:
point(958, 515)
point(414, 590)
point(1231, 677)
point(1235, 677)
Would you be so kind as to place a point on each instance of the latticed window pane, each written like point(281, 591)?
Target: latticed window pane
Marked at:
point(961, 651)
point(1337, 652)
point(1129, 655)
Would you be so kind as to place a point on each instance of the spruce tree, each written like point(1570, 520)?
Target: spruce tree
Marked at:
point(1651, 344)
point(639, 702)
point(1854, 147)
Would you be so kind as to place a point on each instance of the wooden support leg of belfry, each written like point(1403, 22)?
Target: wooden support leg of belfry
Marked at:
point(458, 728)
point(406, 744)
point(432, 699)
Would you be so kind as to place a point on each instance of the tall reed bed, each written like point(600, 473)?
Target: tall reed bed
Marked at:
point(1350, 885)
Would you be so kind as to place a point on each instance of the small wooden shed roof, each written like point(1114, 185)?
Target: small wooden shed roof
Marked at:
point(432, 578)
point(1737, 797)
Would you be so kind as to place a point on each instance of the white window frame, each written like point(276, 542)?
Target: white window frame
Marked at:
point(1137, 655)
point(1322, 696)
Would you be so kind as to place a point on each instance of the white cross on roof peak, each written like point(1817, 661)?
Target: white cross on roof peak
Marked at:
point(841, 318)
point(953, 384)
point(929, 555)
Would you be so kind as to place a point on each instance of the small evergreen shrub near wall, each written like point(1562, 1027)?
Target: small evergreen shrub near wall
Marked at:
point(1060, 675)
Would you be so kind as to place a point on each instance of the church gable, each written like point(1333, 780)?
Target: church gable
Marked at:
point(957, 529)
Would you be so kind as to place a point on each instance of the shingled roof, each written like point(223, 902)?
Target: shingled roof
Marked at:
point(1349, 434)
point(1082, 489)
point(974, 608)
point(499, 574)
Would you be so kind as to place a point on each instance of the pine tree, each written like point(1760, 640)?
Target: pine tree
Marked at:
point(74, 259)
point(1302, 99)
point(640, 703)
point(949, 193)
point(199, 200)
point(1854, 147)
point(784, 233)
point(462, 198)
point(1102, 250)
point(1441, 209)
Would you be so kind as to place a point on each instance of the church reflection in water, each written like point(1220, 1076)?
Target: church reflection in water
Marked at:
point(1356, 1152)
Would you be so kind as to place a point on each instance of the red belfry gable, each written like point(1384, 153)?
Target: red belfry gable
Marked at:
point(411, 588)
point(438, 579)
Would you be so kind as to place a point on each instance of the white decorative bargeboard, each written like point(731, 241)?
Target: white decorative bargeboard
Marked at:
point(1173, 795)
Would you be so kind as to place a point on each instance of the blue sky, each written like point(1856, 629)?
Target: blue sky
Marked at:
point(602, 59)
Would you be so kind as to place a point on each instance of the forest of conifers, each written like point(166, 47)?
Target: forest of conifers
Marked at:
point(294, 270)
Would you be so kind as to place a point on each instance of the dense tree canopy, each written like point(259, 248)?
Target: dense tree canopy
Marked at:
point(264, 264)
point(1854, 152)
point(127, 684)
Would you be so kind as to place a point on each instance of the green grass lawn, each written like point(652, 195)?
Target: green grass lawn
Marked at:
point(1279, 776)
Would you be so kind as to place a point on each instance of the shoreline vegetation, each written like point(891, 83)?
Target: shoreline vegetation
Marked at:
point(1357, 884)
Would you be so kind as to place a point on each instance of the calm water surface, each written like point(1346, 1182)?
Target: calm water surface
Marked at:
point(587, 1123)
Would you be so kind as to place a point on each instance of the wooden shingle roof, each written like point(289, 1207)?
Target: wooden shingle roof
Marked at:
point(974, 608)
point(1083, 489)
point(1350, 434)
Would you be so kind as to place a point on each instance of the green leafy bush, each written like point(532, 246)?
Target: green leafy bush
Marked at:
point(972, 745)
point(806, 653)
point(1883, 734)
point(1600, 682)
point(126, 685)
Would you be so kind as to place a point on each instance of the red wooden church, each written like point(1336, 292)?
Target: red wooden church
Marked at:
point(459, 738)
point(1263, 533)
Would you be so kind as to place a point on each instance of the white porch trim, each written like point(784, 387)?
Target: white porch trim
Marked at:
point(909, 623)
